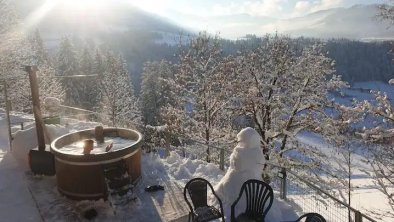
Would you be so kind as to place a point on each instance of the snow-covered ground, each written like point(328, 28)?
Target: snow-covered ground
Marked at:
point(16, 202)
point(362, 91)
point(38, 199)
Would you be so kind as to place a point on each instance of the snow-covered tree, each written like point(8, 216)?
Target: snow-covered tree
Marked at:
point(40, 52)
point(286, 93)
point(119, 105)
point(200, 109)
point(15, 52)
point(67, 65)
point(90, 96)
point(386, 11)
point(156, 91)
point(380, 137)
point(49, 84)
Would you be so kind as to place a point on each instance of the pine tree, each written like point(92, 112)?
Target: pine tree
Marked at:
point(119, 105)
point(37, 45)
point(49, 85)
point(156, 90)
point(67, 65)
point(90, 96)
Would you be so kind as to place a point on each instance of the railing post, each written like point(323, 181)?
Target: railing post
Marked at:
point(221, 166)
point(167, 144)
point(283, 185)
point(358, 216)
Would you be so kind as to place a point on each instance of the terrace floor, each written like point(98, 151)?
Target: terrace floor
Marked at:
point(17, 203)
point(165, 205)
point(26, 197)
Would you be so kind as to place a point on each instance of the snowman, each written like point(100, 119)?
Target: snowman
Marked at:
point(246, 162)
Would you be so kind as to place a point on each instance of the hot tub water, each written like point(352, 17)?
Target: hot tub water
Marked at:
point(76, 148)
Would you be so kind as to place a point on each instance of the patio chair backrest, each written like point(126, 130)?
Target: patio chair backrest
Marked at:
point(197, 190)
point(311, 217)
point(259, 197)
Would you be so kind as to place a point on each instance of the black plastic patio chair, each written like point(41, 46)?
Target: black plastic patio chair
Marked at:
point(201, 211)
point(311, 217)
point(259, 197)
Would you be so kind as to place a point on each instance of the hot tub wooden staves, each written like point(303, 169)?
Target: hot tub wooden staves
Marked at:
point(80, 176)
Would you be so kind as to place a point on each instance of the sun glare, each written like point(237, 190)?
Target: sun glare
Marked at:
point(80, 5)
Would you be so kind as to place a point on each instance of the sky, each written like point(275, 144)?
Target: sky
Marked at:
point(229, 18)
point(271, 8)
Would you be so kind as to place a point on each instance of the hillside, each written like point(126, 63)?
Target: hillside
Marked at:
point(57, 20)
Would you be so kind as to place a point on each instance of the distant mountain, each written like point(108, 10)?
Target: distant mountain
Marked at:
point(55, 21)
point(357, 22)
point(228, 26)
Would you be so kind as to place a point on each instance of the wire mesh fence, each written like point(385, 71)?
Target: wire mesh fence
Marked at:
point(308, 197)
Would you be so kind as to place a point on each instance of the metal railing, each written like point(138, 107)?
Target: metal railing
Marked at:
point(311, 198)
point(197, 150)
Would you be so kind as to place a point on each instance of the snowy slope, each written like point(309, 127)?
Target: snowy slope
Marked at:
point(362, 91)
point(107, 19)
point(366, 196)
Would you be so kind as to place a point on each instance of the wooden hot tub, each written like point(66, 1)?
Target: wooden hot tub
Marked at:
point(81, 176)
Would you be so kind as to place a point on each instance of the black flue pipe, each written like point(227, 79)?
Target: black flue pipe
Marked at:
point(32, 71)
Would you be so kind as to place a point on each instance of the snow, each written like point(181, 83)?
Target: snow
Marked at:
point(23, 142)
point(52, 105)
point(245, 164)
point(362, 91)
point(365, 194)
point(16, 202)
point(37, 196)
point(184, 169)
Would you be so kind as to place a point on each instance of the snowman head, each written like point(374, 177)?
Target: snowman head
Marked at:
point(248, 138)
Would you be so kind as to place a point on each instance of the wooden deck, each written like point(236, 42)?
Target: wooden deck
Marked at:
point(167, 205)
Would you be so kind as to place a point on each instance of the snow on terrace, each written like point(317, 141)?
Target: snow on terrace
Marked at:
point(16, 202)
point(45, 203)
